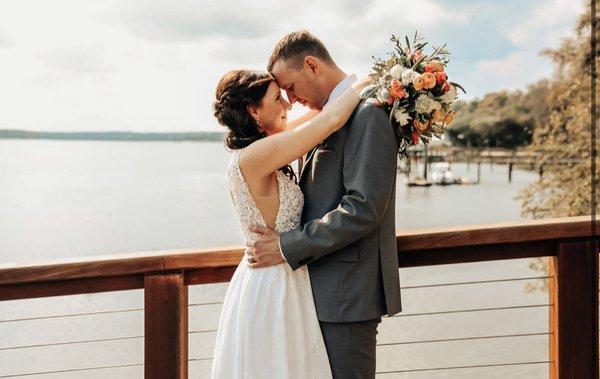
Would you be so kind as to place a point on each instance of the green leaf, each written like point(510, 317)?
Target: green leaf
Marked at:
point(394, 107)
point(458, 86)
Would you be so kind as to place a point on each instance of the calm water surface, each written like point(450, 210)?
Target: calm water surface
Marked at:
point(62, 199)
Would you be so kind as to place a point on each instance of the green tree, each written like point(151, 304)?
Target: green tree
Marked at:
point(565, 191)
point(500, 119)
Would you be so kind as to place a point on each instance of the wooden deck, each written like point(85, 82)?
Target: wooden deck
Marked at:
point(165, 275)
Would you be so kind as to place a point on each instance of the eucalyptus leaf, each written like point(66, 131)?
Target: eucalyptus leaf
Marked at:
point(394, 107)
point(368, 91)
point(458, 86)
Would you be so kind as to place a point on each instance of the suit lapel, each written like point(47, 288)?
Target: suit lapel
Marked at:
point(308, 158)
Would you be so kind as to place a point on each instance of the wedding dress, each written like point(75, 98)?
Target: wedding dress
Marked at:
point(268, 326)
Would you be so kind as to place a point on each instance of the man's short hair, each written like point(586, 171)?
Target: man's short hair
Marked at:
point(295, 46)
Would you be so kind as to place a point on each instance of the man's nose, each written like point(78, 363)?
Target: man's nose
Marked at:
point(291, 97)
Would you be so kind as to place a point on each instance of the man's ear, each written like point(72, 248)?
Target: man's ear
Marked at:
point(313, 64)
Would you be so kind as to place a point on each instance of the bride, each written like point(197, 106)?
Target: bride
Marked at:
point(268, 326)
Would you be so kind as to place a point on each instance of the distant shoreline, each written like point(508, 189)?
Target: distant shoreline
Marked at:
point(111, 136)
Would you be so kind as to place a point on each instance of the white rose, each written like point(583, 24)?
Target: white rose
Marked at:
point(449, 96)
point(397, 71)
point(408, 76)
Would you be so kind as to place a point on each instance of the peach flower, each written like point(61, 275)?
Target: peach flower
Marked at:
point(421, 126)
point(397, 91)
point(449, 117)
point(428, 80)
point(437, 116)
point(418, 83)
point(434, 66)
point(441, 77)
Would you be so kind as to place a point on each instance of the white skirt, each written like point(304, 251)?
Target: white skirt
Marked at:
point(268, 327)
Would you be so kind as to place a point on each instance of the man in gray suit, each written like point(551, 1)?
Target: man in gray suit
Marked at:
point(347, 236)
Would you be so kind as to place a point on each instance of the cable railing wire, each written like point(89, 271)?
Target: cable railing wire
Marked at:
point(214, 330)
point(73, 315)
point(471, 310)
point(69, 343)
point(467, 338)
point(96, 313)
point(464, 367)
point(220, 302)
point(477, 282)
point(70, 370)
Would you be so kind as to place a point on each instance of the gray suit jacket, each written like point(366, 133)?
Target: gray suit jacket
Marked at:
point(347, 235)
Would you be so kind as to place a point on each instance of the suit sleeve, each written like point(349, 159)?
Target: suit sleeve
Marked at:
point(369, 171)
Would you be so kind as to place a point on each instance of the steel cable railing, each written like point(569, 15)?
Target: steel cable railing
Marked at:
point(200, 304)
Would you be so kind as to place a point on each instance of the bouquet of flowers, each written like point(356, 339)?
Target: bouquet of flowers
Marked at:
point(414, 90)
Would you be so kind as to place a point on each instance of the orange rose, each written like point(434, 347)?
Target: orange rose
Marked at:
point(437, 116)
point(449, 117)
point(397, 91)
point(421, 126)
point(418, 83)
point(441, 77)
point(434, 66)
point(428, 80)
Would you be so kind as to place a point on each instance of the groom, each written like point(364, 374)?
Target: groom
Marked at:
point(347, 236)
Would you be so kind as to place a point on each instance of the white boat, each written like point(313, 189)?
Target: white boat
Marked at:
point(441, 173)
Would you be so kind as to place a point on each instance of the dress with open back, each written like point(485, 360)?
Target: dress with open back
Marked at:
point(268, 326)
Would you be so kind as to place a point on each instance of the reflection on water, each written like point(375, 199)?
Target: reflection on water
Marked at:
point(66, 199)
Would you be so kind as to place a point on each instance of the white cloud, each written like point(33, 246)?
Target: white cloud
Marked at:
point(549, 21)
point(74, 63)
point(189, 20)
point(513, 71)
point(4, 40)
point(153, 65)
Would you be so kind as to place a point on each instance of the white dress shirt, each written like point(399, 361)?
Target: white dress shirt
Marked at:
point(340, 88)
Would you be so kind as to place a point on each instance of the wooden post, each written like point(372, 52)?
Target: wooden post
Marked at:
point(573, 314)
point(166, 326)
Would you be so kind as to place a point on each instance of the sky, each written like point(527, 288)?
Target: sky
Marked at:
point(153, 65)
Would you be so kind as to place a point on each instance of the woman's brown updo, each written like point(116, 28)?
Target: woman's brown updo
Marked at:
point(236, 90)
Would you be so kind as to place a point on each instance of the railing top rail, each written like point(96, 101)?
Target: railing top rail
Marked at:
point(194, 259)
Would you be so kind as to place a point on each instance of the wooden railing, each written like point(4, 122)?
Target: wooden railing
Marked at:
point(164, 276)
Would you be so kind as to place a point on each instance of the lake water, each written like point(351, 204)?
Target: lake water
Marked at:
point(63, 199)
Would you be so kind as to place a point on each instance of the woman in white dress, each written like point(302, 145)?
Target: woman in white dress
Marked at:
point(268, 326)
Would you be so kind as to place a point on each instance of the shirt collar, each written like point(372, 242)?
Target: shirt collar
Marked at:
point(341, 87)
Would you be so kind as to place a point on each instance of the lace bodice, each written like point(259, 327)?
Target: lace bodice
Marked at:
point(291, 201)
